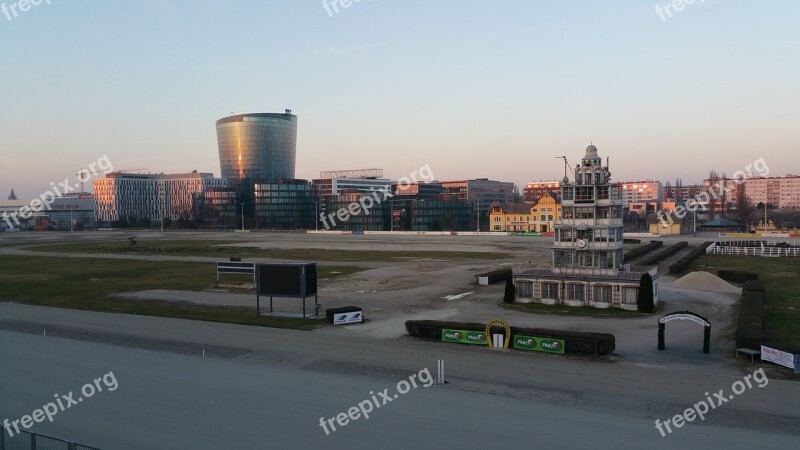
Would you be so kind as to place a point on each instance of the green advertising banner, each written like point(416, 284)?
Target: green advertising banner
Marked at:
point(539, 344)
point(464, 337)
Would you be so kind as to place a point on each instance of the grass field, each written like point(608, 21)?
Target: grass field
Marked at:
point(781, 278)
point(224, 249)
point(84, 283)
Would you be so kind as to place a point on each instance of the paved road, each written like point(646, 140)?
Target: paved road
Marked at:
point(173, 401)
point(267, 388)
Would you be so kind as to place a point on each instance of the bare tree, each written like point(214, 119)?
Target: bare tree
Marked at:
point(713, 195)
point(668, 194)
point(679, 189)
point(744, 207)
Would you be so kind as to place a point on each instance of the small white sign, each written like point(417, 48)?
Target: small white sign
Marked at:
point(348, 317)
point(776, 356)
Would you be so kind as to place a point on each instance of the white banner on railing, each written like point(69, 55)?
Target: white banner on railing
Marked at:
point(776, 356)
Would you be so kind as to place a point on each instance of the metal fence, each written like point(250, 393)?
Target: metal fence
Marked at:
point(754, 248)
point(32, 441)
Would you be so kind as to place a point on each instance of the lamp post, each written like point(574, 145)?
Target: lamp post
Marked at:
point(316, 215)
point(242, 216)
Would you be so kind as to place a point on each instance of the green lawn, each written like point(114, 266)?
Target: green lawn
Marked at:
point(84, 283)
point(781, 278)
point(223, 249)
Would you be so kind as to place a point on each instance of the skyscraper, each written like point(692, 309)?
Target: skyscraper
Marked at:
point(259, 146)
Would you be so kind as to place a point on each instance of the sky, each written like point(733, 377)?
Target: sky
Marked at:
point(470, 88)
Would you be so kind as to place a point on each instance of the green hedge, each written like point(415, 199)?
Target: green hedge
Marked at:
point(653, 260)
point(639, 251)
point(750, 321)
point(736, 276)
point(496, 276)
point(577, 342)
point(682, 263)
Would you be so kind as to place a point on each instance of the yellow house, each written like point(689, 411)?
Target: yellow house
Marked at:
point(524, 217)
point(514, 217)
point(545, 213)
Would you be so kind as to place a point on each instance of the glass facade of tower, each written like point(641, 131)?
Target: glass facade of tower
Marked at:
point(588, 238)
point(587, 263)
point(261, 146)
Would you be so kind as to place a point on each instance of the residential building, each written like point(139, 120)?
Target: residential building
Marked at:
point(515, 217)
point(638, 191)
point(535, 190)
point(539, 217)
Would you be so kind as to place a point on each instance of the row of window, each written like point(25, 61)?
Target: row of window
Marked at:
point(601, 293)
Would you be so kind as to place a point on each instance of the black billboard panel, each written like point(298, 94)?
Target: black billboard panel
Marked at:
point(287, 280)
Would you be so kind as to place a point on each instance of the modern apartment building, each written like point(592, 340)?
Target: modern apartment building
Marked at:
point(641, 191)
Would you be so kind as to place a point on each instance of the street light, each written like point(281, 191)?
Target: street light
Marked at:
point(242, 216)
point(316, 216)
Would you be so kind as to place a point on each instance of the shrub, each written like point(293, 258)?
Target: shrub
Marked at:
point(750, 321)
point(754, 285)
point(653, 260)
point(644, 299)
point(736, 276)
point(577, 342)
point(496, 276)
point(511, 292)
point(639, 251)
point(682, 263)
point(631, 241)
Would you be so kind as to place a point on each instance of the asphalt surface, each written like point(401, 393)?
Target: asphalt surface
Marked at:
point(267, 388)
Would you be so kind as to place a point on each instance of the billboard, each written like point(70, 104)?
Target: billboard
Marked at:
point(297, 280)
point(539, 344)
point(347, 317)
point(777, 356)
point(464, 337)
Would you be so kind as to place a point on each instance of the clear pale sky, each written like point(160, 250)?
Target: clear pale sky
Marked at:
point(472, 88)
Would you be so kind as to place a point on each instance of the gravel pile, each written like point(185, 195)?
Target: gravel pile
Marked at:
point(705, 281)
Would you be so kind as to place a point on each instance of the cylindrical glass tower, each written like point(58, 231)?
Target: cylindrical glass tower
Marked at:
point(259, 146)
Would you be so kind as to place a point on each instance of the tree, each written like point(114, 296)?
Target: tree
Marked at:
point(446, 222)
point(517, 194)
point(668, 194)
point(644, 300)
point(713, 195)
point(744, 207)
point(511, 292)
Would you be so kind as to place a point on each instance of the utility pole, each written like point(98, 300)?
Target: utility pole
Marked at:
point(316, 215)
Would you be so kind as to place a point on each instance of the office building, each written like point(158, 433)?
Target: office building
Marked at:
point(259, 146)
point(130, 197)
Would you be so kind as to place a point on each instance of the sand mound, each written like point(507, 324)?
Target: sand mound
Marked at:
point(705, 281)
